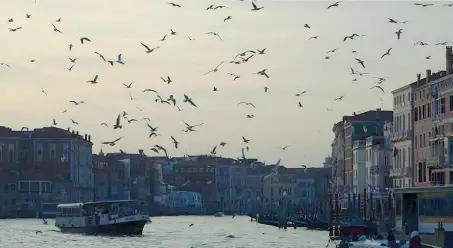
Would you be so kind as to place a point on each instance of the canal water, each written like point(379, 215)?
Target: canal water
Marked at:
point(166, 232)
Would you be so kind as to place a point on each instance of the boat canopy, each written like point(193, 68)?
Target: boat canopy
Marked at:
point(81, 204)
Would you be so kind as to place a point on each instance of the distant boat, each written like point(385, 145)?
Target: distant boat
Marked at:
point(219, 214)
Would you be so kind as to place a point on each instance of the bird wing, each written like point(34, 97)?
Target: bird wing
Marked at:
point(147, 48)
point(219, 64)
point(254, 5)
point(117, 140)
point(191, 102)
point(119, 57)
point(118, 120)
point(73, 102)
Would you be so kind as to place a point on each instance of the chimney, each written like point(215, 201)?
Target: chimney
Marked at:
point(89, 138)
point(77, 133)
point(428, 75)
point(69, 130)
point(73, 132)
point(449, 59)
point(86, 138)
point(419, 76)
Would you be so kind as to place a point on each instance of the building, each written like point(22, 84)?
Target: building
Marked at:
point(312, 189)
point(254, 187)
point(429, 109)
point(41, 167)
point(378, 158)
point(198, 174)
point(184, 202)
point(101, 171)
point(277, 186)
point(352, 128)
point(401, 171)
point(231, 186)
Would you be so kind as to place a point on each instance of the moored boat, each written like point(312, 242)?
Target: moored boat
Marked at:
point(219, 214)
point(103, 217)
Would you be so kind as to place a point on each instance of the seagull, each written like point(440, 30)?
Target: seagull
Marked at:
point(234, 76)
point(189, 100)
point(398, 33)
point(387, 53)
point(94, 81)
point(84, 39)
point(213, 152)
point(245, 140)
point(333, 5)
point(266, 89)
point(332, 51)
point(313, 37)
point(74, 122)
point(58, 20)
point(149, 50)
point(172, 32)
point(307, 26)
point(4, 64)
point(111, 143)
point(163, 38)
point(104, 124)
point(423, 5)
point(300, 105)
point(263, 73)
point(339, 98)
point(70, 68)
point(247, 103)
point(28, 16)
point(284, 148)
point(175, 5)
point(175, 142)
point(215, 69)
point(227, 18)
point(303, 92)
point(70, 47)
point(255, 8)
point(100, 55)
point(378, 87)
point(261, 51)
point(216, 34)
point(150, 90)
point(14, 29)
point(119, 60)
point(73, 60)
point(42, 90)
point(118, 123)
point(56, 29)
point(128, 85)
point(361, 62)
point(168, 80)
point(76, 103)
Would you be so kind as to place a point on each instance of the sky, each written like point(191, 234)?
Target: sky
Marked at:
point(293, 62)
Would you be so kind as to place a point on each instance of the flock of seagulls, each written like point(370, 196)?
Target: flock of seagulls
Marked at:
point(173, 101)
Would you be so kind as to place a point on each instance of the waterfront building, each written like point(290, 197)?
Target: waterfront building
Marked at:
point(101, 171)
point(312, 189)
point(184, 202)
point(402, 168)
point(279, 186)
point(231, 188)
point(43, 167)
point(427, 204)
point(355, 127)
point(254, 187)
point(198, 174)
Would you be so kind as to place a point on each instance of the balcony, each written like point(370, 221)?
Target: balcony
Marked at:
point(396, 172)
point(438, 137)
point(436, 161)
point(359, 143)
point(407, 172)
point(401, 135)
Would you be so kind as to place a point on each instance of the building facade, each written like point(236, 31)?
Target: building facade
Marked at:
point(43, 166)
point(402, 168)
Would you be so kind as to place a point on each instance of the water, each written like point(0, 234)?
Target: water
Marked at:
point(168, 232)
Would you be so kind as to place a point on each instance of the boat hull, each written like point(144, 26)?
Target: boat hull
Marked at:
point(124, 228)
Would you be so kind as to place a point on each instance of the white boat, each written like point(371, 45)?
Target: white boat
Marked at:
point(363, 242)
point(219, 214)
point(103, 217)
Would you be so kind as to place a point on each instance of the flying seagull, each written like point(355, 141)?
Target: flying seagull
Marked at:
point(255, 8)
point(215, 69)
point(84, 39)
point(334, 5)
point(149, 50)
point(175, 5)
point(94, 81)
point(386, 53)
point(215, 34)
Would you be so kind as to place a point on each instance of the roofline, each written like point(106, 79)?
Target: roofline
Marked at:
point(405, 87)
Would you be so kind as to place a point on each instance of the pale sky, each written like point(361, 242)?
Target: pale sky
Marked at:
point(294, 64)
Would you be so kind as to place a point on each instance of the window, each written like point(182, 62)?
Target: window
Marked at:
point(1, 152)
point(65, 153)
point(415, 115)
point(442, 105)
point(451, 103)
point(429, 110)
point(424, 140)
point(39, 152)
point(52, 152)
point(10, 152)
point(423, 112)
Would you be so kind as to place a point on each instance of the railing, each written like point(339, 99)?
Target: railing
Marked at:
point(402, 135)
point(395, 172)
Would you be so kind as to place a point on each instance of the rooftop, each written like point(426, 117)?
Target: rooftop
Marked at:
point(42, 133)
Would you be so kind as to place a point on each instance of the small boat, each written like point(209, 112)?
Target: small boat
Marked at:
point(219, 214)
point(103, 217)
